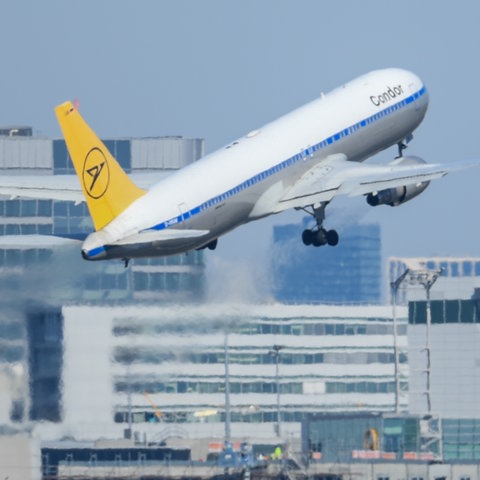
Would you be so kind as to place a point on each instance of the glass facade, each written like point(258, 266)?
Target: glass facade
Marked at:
point(349, 273)
point(444, 311)
point(327, 363)
point(336, 437)
point(341, 438)
point(461, 439)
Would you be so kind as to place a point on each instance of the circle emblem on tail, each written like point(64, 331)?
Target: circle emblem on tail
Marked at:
point(96, 174)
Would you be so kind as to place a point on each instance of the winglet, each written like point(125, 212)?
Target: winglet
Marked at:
point(107, 188)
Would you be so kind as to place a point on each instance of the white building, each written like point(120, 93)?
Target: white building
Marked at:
point(169, 363)
point(452, 338)
point(454, 358)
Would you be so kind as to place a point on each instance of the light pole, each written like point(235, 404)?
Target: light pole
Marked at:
point(227, 392)
point(395, 285)
point(426, 278)
point(275, 352)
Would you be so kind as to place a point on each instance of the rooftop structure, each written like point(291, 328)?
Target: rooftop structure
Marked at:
point(459, 277)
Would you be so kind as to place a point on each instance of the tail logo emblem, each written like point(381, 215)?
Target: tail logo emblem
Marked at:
point(96, 174)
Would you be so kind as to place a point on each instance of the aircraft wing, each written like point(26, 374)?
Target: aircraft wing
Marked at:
point(338, 176)
point(27, 242)
point(61, 187)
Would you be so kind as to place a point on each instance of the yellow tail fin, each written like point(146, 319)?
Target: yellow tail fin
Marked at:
point(107, 188)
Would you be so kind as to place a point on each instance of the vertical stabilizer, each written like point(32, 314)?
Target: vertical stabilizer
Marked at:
point(107, 188)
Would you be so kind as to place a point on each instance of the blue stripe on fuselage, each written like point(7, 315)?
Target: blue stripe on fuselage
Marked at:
point(259, 177)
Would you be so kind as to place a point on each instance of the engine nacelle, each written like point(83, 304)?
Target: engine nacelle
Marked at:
point(398, 195)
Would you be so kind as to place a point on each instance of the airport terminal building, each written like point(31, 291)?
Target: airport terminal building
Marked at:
point(93, 350)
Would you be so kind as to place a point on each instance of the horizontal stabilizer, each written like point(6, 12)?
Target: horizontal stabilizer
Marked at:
point(44, 187)
point(61, 187)
point(27, 242)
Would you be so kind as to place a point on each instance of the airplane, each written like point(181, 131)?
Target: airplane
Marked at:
point(302, 160)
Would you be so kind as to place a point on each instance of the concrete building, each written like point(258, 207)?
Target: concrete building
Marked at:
point(129, 367)
point(454, 337)
point(444, 378)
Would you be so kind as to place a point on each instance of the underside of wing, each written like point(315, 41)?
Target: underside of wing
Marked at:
point(60, 187)
point(338, 176)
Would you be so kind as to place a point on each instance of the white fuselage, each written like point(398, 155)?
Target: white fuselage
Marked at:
point(248, 178)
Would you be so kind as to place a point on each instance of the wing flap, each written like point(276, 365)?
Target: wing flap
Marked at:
point(338, 176)
point(319, 184)
point(397, 176)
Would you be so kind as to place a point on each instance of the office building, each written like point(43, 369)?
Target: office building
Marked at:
point(349, 273)
point(453, 339)
point(156, 370)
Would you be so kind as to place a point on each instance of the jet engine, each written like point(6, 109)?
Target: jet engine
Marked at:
point(398, 195)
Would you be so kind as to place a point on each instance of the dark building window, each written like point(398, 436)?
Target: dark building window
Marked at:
point(45, 339)
point(444, 311)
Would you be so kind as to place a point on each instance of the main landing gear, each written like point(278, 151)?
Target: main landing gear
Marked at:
point(211, 246)
point(319, 236)
point(402, 145)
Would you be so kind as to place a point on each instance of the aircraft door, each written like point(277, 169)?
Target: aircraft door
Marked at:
point(184, 216)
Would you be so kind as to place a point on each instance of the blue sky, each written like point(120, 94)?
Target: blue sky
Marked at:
point(217, 69)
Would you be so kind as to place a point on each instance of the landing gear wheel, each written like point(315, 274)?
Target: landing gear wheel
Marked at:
point(307, 237)
point(332, 237)
point(213, 244)
point(319, 238)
